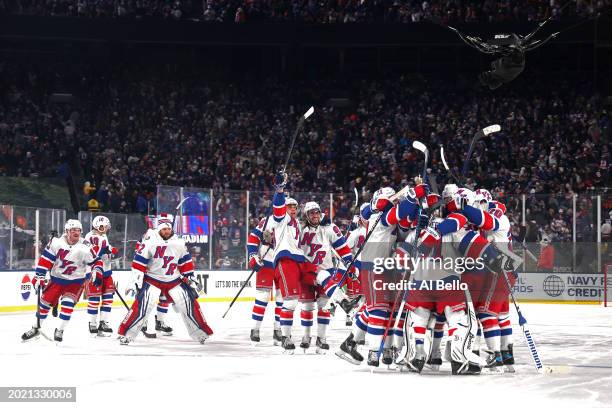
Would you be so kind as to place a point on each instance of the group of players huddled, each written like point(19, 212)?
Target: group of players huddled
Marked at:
point(308, 262)
point(305, 260)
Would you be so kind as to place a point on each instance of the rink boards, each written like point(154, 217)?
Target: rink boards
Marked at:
point(17, 295)
point(16, 292)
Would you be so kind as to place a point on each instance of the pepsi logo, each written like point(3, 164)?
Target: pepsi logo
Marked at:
point(26, 287)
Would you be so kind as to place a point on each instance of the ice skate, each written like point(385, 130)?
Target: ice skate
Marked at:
point(348, 351)
point(322, 346)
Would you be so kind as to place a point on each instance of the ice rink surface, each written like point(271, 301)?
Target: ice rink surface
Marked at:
point(229, 371)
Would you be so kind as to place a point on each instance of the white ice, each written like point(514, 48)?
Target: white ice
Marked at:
point(228, 370)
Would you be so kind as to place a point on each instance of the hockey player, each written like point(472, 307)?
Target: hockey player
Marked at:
point(163, 265)
point(320, 239)
point(348, 348)
point(354, 292)
point(285, 230)
point(97, 237)
point(261, 258)
point(71, 261)
point(163, 304)
point(494, 311)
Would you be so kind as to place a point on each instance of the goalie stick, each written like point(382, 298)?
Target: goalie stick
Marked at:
point(298, 129)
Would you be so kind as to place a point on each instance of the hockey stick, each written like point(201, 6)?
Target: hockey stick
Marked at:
point(479, 135)
point(446, 166)
point(298, 129)
point(407, 273)
point(38, 326)
point(523, 323)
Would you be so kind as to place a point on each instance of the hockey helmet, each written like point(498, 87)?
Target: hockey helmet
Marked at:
point(101, 221)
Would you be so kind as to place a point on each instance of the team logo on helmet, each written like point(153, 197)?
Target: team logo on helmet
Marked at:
point(73, 224)
point(101, 221)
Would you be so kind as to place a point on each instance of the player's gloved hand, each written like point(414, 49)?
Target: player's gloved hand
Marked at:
point(382, 204)
point(114, 252)
point(267, 237)
point(255, 262)
point(97, 277)
point(192, 282)
point(423, 221)
point(280, 180)
point(135, 283)
point(39, 282)
point(432, 199)
point(104, 251)
point(421, 190)
point(325, 220)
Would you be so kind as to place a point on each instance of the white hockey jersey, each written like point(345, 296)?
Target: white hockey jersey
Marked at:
point(286, 232)
point(162, 260)
point(317, 244)
point(101, 241)
point(68, 263)
point(355, 239)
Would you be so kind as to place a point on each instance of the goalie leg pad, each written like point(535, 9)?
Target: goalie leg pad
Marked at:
point(190, 310)
point(143, 305)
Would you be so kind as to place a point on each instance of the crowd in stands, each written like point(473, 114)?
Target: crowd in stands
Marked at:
point(131, 128)
point(313, 11)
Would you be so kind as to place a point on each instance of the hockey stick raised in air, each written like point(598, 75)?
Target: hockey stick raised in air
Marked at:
point(479, 135)
point(298, 129)
point(444, 162)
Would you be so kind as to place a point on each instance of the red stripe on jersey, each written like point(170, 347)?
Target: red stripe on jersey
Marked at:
point(139, 267)
point(488, 221)
point(392, 218)
point(499, 206)
point(253, 240)
point(45, 263)
point(460, 218)
point(279, 212)
point(477, 246)
point(428, 239)
point(186, 267)
point(343, 251)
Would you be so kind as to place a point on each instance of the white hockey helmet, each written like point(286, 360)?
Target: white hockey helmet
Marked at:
point(383, 192)
point(291, 201)
point(448, 192)
point(311, 206)
point(482, 198)
point(164, 221)
point(466, 194)
point(361, 210)
point(73, 224)
point(101, 221)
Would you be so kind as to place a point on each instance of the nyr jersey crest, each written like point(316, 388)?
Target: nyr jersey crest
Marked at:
point(66, 264)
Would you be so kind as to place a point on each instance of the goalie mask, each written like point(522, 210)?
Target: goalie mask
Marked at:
point(312, 213)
